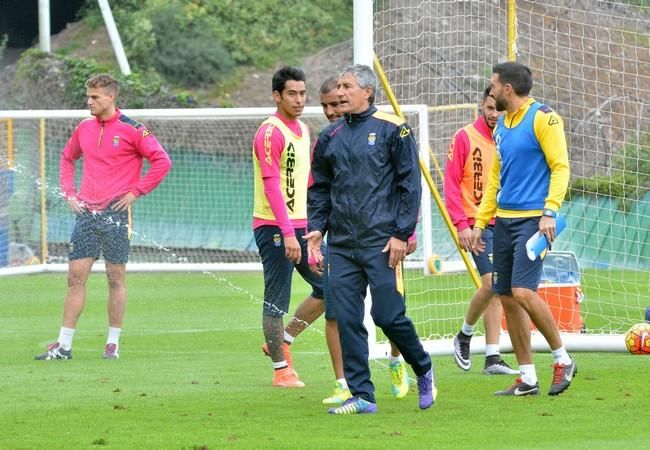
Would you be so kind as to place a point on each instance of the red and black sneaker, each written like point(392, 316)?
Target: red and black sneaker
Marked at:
point(562, 376)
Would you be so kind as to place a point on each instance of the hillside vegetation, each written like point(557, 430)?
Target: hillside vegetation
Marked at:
point(181, 52)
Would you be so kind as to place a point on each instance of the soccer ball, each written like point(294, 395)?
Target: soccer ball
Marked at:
point(435, 265)
point(637, 339)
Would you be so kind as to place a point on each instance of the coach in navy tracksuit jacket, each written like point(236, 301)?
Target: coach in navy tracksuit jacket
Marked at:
point(366, 195)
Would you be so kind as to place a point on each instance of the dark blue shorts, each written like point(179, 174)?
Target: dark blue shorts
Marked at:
point(98, 233)
point(278, 270)
point(512, 268)
point(484, 259)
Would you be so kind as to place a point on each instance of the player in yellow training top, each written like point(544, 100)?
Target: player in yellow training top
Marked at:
point(531, 174)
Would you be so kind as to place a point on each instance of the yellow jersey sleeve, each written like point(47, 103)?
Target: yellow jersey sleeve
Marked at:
point(488, 207)
point(549, 130)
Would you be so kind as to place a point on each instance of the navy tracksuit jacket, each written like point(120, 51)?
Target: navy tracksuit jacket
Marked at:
point(366, 188)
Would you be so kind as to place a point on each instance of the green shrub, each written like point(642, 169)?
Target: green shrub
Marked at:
point(189, 52)
point(629, 179)
point(198, 42)
point(263, 33)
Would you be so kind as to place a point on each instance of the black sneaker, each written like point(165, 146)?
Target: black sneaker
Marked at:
point(54, 351)
point(519, 389)
point(494, 365)
point(562, 376)
point(461, 351)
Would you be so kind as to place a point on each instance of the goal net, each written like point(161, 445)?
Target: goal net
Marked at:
point(591, 63)
point(199, 218)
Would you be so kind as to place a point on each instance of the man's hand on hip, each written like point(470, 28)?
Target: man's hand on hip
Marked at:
point(124, 203)
point(75, 205)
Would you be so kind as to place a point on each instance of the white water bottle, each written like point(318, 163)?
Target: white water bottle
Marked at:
point(538, 242)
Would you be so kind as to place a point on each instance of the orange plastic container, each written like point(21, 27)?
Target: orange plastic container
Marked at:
point(560, 288)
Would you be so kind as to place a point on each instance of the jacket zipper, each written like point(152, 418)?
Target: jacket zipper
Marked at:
point(101, 133)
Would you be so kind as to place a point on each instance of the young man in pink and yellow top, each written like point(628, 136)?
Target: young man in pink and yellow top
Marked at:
point(112, 147)
point(281, 158)
point(468, 164)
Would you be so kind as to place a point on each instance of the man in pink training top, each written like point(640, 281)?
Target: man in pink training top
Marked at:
point(468, 164)
point(112, 147)
point(281, 158)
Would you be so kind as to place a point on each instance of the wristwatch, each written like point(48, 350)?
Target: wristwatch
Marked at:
point(549, 213)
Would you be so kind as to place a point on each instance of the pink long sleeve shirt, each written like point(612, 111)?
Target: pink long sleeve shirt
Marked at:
point(112, 152)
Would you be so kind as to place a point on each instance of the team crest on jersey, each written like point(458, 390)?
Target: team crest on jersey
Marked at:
point(116, 141)
point(495, 279)
point(277, 240)
point(490, 258)
point(372, 137)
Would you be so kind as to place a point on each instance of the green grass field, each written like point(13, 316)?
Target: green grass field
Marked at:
point(192, 376)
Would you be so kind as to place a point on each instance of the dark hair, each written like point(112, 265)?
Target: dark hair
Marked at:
point(487, 92)
point(328, 85)
point(285, 74)
point(105, 81)
point(516, 75)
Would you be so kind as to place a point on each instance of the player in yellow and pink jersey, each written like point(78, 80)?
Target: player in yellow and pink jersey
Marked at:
point(468, 163)
point(281, 161)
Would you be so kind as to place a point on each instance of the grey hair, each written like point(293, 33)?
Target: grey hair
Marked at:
point(365, 77)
